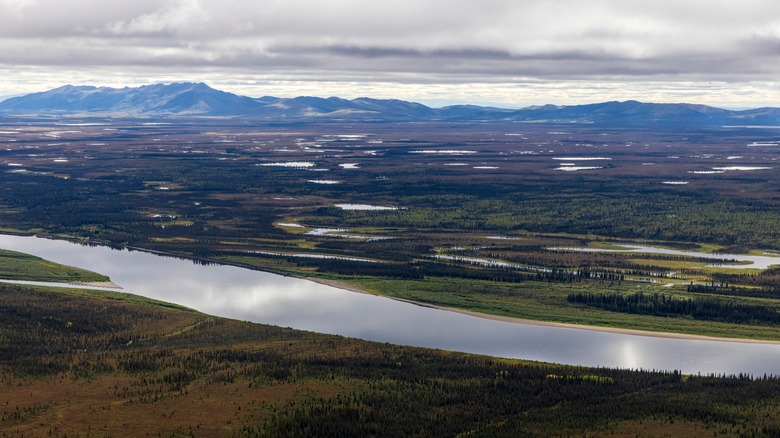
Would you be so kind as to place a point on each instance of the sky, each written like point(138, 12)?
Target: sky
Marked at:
point(509, 53)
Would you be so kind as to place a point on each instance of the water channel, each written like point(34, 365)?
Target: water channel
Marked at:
point(292, 302)
point(764, 261)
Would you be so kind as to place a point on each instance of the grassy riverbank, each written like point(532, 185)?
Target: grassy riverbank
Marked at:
point(540, 301)
point(77, 362)
point(19, 266)
point(544, 301)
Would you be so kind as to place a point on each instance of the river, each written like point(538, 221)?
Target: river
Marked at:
point(263, 297)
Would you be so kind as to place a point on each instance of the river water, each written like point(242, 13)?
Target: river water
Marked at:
point(292, 302)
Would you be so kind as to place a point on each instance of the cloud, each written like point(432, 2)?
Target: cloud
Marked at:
point(175, 17)
point(432, 41)
point(16, 8)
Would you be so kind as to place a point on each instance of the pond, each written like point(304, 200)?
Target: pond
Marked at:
point(364, 207)
point(750, 261)
point(292, 302)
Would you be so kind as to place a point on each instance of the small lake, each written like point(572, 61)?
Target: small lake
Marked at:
point(364, 207)
point(291, 302)
point(752, 261)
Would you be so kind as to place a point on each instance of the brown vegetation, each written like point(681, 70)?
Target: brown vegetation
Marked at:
point(83, 365)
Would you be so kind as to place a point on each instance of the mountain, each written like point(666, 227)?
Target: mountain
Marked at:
point(633, 113)
point(181, 99)
point(199, 100)
point(8, 96)
point(188, 99)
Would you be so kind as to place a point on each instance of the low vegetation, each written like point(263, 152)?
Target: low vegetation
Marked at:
point(102, 364)
point(547, 301)
point(483, 222)
point(471, 231)
point(18, 266)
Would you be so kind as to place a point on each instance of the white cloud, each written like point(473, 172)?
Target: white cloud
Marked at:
point(509, 45)
point(177, 16)
point(15, 8)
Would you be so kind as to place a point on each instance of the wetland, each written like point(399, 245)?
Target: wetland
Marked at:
point(486, 228)
point(240, 192)
point(263, 297)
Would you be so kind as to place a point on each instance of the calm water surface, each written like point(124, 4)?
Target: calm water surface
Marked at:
point(754, 261)
point(290, 302)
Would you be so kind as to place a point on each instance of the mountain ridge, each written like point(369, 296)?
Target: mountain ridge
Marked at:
point(186, 99)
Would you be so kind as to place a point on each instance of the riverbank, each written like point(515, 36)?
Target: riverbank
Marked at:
point(529, 303)
point(515, 320)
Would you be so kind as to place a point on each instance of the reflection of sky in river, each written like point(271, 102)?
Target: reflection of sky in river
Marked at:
point(290, 302)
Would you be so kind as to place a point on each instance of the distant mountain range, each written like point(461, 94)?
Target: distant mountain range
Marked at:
point(200, 100)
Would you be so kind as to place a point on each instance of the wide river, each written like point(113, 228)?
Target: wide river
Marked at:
point(291, 302)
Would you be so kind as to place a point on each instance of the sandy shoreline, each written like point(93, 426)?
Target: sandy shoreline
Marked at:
point(624, 331)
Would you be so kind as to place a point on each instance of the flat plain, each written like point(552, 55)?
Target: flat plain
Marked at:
point(521, 220)
point(504, 218)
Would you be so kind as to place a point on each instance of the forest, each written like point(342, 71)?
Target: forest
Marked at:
point(708, 309)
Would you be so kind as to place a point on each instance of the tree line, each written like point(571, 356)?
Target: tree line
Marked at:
point(666, 305)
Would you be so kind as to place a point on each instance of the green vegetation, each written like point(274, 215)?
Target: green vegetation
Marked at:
point(77, 364)
point(543, 301)
point(102, 363)
point(18, 266)
point(464, 236)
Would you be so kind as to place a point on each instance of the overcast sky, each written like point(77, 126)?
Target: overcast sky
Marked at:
point(504, 52)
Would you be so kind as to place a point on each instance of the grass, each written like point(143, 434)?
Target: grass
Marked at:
point(542, 301)
point(545, 301)
point(18, 266)
point(120, 297)
point(172, 240)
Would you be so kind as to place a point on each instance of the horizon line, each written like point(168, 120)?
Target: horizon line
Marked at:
point(3, 98)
